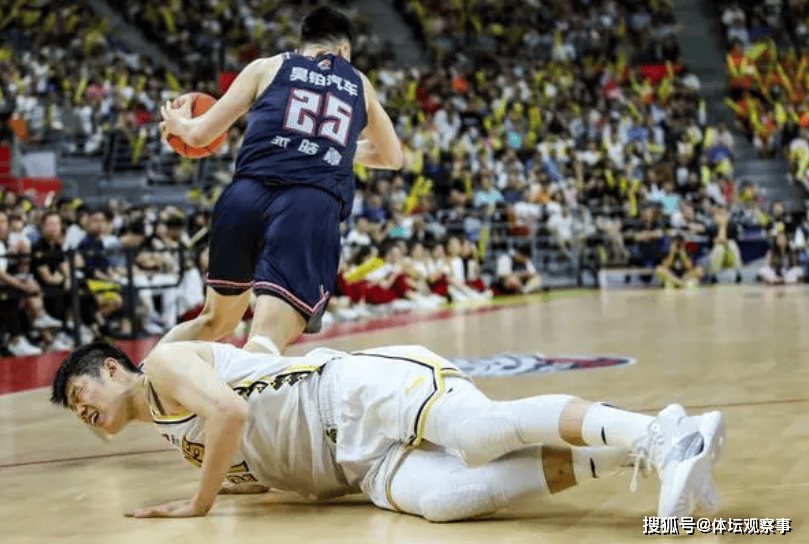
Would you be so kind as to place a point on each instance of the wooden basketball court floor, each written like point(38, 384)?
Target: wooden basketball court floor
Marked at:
point(739, 349)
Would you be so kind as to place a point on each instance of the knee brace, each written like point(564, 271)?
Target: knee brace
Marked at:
point(499, 427)
point(461, 498)
point(483, 437)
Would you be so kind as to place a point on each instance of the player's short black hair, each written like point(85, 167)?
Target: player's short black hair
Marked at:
point(87, 359)
point(326, 24)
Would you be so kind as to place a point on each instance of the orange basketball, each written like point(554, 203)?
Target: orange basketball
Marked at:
point(201, 103)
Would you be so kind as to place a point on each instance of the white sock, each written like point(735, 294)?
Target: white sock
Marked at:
point(596, 462)
point(607, 426)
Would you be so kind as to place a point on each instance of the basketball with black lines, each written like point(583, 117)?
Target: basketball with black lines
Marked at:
point(200, 103)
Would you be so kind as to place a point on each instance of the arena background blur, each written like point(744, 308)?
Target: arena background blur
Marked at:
point(588, 184)
point(548, 144)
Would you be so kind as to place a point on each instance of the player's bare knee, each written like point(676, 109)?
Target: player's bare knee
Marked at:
point(216, 325)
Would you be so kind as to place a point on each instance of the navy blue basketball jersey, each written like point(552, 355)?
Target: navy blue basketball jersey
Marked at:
point(303, 129)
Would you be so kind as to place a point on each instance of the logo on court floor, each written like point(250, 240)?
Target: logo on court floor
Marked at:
point(509, 364)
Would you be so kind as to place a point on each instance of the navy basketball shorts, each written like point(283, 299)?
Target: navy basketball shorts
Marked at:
point(282, 241)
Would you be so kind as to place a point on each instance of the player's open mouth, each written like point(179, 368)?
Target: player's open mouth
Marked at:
point(94, 418)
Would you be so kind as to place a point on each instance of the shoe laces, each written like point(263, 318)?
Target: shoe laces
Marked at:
point(642, 454)
point(640, 465)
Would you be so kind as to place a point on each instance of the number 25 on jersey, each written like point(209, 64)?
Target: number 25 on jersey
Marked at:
point(305, 115)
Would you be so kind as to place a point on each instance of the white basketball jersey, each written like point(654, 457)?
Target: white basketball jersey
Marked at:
point(284, 442)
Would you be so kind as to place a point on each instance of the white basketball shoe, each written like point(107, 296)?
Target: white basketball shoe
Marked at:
point(683, 450)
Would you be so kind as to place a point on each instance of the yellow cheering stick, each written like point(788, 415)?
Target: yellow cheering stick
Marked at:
point(785, 81)
point(172, 81)
point(734, 106)
point(634, 112)
point(762, 86)
point(610, 178)
point(758, 49)
point(359, 272)
point(197, 237)
point(731, 65)
point(137, 149)
point(633, 82)
point(802, 67)
point(415, 195)
point(780, 114)
point(80, 90)
point(705, 174)
point(483, 241)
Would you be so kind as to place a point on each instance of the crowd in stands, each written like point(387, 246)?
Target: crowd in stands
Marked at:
point(66, 78)
point(504, 29)
point(208, 36)
point(768, 89)
point(768, 77)
point(575, 123)
point(579, 121)
point(64, 271)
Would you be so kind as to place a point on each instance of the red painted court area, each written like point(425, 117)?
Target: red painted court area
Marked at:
point(25, 373)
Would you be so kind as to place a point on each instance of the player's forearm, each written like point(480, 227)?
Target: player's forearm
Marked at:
point(194, 132)
point(199, 133)
point(223, 437)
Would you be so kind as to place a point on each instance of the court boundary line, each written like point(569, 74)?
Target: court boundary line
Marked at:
point(82, 458)
point(164, 450)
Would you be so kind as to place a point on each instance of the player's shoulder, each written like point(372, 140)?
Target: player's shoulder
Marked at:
point(263, 64)
point(164, 353)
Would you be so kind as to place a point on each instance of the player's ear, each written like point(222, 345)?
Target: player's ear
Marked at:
point(344, 50)
point(111, 366)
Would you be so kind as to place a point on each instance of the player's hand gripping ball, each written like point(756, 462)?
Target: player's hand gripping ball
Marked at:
point(185, 107)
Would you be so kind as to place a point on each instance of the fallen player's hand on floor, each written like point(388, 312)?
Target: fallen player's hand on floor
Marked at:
point(177, 509)
point(242, 489)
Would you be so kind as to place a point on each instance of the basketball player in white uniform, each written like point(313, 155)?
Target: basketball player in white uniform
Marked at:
point(400, 424)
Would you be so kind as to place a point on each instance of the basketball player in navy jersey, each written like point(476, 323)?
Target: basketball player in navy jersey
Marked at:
point(276, 228)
